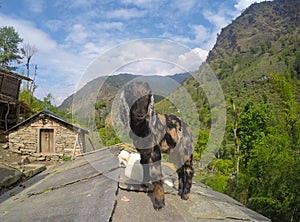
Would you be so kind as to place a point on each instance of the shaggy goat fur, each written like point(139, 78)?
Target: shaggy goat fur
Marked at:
point(154, 133)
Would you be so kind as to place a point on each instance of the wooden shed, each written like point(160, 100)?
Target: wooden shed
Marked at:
point(46, 135)
point(10, 106)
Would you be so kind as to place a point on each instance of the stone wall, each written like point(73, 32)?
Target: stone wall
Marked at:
point(25, 139)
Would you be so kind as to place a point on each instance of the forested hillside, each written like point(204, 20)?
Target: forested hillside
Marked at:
point(257, 60)
point(104, 88)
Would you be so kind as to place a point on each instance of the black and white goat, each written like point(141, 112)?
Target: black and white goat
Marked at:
point(154, 133)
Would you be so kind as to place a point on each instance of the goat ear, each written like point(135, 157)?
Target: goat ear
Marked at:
point(152, 116)
point(151, 105)
point(124, 111)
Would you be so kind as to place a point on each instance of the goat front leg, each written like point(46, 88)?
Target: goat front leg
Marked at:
point(156, 176)
point(151, 161)
point(145, 160)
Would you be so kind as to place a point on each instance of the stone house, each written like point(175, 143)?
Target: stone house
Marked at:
point(46, 136)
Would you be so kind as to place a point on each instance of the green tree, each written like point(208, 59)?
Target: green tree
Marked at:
point(289, 114)
point(48, 102)
point(269, 141)
point(297, 64)
point(9, 51)
point(101, 110)
point(201, 144)
point(252, 126)
point(108, 136)
point(273, 177)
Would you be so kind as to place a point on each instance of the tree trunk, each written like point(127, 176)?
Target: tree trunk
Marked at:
point(236, 142)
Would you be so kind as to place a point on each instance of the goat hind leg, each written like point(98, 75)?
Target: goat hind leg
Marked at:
point(185, 178)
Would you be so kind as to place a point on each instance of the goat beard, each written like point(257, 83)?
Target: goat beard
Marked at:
point(140, 127)
point(141, 134)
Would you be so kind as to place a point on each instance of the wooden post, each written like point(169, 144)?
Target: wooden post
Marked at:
point(80, 142)
point(6, 115)
point(18, 112)
point(89, 138)
point(74, 149)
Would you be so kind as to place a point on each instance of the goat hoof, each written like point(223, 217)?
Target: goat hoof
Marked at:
point(179, 193)
point(158, 204)
point(145, 185)
point(185, 196)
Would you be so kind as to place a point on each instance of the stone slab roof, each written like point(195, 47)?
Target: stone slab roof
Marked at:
point(51, 115)
point(93, 188)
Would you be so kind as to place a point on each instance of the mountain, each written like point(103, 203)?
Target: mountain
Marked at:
point(90, 90)
point(104, 89)
point(263, 40)
point(256, 59)
point(261, 44)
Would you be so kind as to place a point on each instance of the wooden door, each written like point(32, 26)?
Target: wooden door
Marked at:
point(47, 141)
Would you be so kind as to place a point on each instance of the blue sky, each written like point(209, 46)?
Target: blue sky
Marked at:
point(70, 35)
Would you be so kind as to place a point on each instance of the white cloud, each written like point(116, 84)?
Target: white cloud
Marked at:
point(74, 3)
point(125, 14)
point(199, 36)
point(91, 50)
point(243, 4)
point(185, 6)
point(149, 67)
point(58, 69)
point(143, 3)
point(26, 29)
point(219, 19)
point(201, 33)
point(177, 38)
point(35, 6)
point(197, 54)
point(109, 25)
point(145, 56)
point(78, 34)
point(201, 53)
point(81, 3)
point(54, 25)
